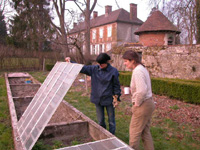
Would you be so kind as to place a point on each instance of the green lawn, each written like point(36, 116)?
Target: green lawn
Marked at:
point(6, 142)
point(167, 134)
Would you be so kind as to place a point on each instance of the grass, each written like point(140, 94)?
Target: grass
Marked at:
point(40, 76)
point(167, 134)
point(173, 136)
point(6, 142)
point(174, 107)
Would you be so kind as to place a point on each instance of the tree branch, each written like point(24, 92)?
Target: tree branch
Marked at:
point(117, 3)
point(95, 1)
point(79, 7)
point(56, 7)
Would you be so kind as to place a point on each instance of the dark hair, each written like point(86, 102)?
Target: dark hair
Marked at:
point(132, 55)
point(103, 58)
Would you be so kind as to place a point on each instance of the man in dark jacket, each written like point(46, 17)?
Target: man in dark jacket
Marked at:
point(104, 85)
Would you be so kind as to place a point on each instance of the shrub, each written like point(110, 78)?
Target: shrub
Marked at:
point(125, 78)
point(49, 67)
point(185, 90)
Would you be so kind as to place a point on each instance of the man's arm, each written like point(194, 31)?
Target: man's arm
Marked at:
point(86, 69)
point(116, 85)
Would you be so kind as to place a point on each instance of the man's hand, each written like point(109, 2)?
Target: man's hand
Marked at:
point(115, 101)
point(67, 59)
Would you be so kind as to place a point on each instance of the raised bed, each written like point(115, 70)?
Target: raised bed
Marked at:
point(66, 124)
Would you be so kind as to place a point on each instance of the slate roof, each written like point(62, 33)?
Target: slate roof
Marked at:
point(119, 15)
point(157, 22)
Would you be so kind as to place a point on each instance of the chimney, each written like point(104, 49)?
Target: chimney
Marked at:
point(133, 11)
point(108, 9)
point(95, 14)
point(74, 25)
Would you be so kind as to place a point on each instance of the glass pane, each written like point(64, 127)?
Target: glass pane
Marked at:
point(46, 101)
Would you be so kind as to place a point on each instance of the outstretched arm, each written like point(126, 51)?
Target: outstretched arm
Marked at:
point(86, 69)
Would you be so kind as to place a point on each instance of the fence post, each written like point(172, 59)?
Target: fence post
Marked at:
point(86, 84)
point(43, 65)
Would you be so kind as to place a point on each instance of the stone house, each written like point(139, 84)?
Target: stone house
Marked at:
point(109, 30)
point(157, 30)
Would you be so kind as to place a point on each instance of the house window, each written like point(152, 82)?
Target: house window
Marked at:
point(93, 49)
point(103, 49)
point(170, 40)
point(93, 34)
point(108, 46)
point(96, 50)
point(100, 48)
point(101, 33)
point(109, 31)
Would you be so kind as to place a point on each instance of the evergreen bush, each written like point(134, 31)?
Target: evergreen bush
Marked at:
point(125, 78)
point(185, 90)
point(49, 67)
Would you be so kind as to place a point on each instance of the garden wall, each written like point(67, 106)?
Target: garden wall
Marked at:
point(182, 61)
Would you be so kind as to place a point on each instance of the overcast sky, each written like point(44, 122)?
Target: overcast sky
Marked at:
point(142, 6)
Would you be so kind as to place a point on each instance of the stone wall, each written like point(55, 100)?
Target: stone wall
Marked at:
point(181, 62)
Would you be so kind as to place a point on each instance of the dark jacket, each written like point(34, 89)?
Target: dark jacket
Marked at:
point(104, 82)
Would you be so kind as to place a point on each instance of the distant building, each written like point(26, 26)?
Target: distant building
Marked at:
point(157, 30)
point(111, 29)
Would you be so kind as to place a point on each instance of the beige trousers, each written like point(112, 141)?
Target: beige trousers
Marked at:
point(140, 125)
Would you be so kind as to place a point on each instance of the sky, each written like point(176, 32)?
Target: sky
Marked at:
point(142, 7)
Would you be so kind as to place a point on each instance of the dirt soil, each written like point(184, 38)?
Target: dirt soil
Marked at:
point(176, 110)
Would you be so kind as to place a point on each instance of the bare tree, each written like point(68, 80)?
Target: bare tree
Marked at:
point(117, 4)
point(60, 9)
point(87, 12)
point(76, 44)
point(183, 14)
point(198, 21)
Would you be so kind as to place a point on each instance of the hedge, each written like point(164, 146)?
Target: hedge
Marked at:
point(125, 78)
point(184, 90)
point(49, 67)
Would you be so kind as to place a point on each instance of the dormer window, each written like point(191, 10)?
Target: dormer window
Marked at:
point(170, 40)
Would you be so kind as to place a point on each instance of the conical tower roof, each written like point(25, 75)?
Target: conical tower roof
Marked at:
point(157, 22)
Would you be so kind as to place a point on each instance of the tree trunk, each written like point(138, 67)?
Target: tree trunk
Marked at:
point(41, 32)
point(198, 20)
point(87, 26)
